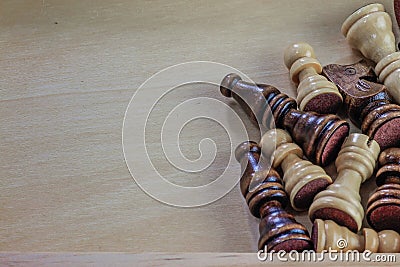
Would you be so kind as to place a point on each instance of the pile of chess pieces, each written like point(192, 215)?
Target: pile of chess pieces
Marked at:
point(307, 135)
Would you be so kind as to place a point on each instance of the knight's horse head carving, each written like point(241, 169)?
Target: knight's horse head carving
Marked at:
point(356, 82)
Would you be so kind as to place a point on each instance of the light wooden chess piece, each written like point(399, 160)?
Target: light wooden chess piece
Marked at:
point(369, 29)
point(302, 179)
point(327, 234)
point(314, 91)
point(341, 201)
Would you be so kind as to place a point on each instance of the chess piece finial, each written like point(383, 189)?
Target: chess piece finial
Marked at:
point(341, 201)
point(369, 29)
point(278, 229)
point(327, 234)
point(383, 208)
point(302, 179)
point(314, 91)
point(320, 136)
point(368, 104)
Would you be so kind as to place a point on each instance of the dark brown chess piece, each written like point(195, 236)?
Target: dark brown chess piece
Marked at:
point(320, 136)
point(383, 210)
point(278, 229)
point(368, 104)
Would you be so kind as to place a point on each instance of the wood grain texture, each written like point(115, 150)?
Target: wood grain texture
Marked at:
point(67, 73)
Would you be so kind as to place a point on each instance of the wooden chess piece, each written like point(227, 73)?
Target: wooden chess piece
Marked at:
point(302, 179)
point(383, 209)
point(278, 229)
point(320, 136)
point(341, 201)
point(369, 29)
point(329, 235)
point(314, 91)
point(368, 104)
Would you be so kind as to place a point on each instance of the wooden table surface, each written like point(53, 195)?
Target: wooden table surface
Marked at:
point(68, 70)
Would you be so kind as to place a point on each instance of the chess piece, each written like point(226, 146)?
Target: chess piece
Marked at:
point(278, 229)
point(327, 234)
point(383, 209)
point(320, 136)
point(314, 91)
point(369, 29)
point(341, 201)
point(368, 104)
point(302, 179)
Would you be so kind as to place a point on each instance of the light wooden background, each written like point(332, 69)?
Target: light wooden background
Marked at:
point(67, 72)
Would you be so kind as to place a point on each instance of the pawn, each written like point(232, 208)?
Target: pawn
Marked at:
point(302, 179)
point(369, 29)
point(314, 91)
point(278, 229)
point(329, 235)
point(383, 208)
point(368, 104)
point(320, 136)
point(341, 201)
